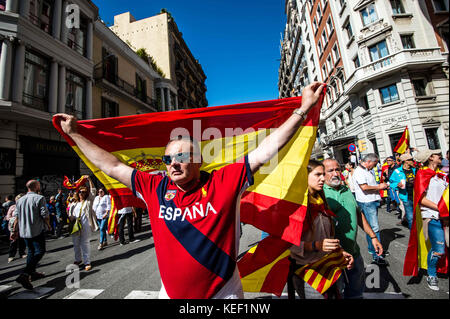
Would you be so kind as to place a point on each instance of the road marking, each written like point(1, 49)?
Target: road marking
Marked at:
point(142, 294)
point(36, 293)
point(4, 288)
point(84, 294)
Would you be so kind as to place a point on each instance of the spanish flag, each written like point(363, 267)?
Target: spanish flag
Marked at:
point(276, 203)
point(443, 204)
point(69, 185)
point(418, 246)
point(403, 143)
point(113, 220)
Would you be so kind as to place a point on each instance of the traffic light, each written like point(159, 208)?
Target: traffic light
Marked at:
point(362, 145)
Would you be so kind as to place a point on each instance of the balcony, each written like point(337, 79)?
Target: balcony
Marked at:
point(123, 88)
point(410, 59)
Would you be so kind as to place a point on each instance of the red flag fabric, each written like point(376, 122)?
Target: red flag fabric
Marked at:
point(417, 251)
point(403, 143)
point(75, 186)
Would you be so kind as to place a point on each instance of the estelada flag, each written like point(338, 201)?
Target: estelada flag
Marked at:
point(265, 267)
point(69, 185)
point(403, 143)
point(323, 273)
point(113, 220)
point(418, 246)
point(276, 203)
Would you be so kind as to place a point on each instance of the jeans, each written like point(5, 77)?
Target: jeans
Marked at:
point(103, 225)
point(36, 250)
point(437, 240)
point(129, 219)
point(409, 211)
point(354, 288)
point(370, 211)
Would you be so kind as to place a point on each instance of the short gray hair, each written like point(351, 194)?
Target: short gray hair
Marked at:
point(371, 157)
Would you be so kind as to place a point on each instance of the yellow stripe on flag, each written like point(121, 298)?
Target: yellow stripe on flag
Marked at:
point(254, 281)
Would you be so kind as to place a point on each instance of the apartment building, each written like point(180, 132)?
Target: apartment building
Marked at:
point(384, 72)
point(160, 37)
point(124, 82)
point(45, 67)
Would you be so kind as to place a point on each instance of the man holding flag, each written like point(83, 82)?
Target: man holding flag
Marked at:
point(193, 213)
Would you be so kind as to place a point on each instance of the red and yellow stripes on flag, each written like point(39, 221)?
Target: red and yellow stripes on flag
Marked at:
point(276, 203)
point(403, 143)
point(443, 204)
point(68, 184)
point(323, 273)
point(113, 220)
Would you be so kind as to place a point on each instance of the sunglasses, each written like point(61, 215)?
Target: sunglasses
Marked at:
point(179, 158)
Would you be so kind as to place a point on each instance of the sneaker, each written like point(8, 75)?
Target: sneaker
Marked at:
point(24, 256)
point(37, 276)
point(124, 243)
point(10, 259)
point(380, 261)
point(432, 282)
point(24, 280)
point(105, 244)
point(100, 247)
point(88, 267)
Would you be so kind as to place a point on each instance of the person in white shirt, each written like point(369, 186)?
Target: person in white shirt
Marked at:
point(102, 206)
point(126, 214)
point(367, 193)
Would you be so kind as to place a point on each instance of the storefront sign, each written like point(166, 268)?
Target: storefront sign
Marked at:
point(7, 161)
point(47, 147)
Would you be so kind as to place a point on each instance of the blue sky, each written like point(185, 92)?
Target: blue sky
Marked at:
point(236, 42)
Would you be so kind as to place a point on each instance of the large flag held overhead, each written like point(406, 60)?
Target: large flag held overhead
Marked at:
point(276, 203)
point(419, 245)
point(403, 143)
point(67, 183)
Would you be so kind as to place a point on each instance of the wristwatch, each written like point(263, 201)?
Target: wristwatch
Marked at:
point(299, 112)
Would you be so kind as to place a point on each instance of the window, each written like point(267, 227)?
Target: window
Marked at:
point(378, 51)
point(368, 14)
point(356, 62)
point(36, 78)
point(76, 38)
point(324, 70)
point(324, 37)
point(432, 138)
point(365, 102)
point(440, 5)
point(329, 64)
point(75, 95)
point(389, 94)
point(375, 145)
point(420, 87)
point(109, 108)
point(330, 26)
point(110, 66)
point(397, 7)
point(40, 14)
point(407, 41)
point(319, 13)
point(141, 88)
point(335, 53)
point(348, 28)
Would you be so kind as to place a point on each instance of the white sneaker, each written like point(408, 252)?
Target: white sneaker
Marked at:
point(432, 282)
point(10, 259)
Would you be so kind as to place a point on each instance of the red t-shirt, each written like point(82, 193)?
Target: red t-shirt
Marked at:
point(195, 232)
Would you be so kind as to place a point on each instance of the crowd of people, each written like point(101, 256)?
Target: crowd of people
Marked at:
point(205, 264)
point(29, 222)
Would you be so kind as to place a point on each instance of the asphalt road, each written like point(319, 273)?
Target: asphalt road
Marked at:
point(131, 271)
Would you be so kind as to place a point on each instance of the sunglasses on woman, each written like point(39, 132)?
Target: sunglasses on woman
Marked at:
point(179, 158)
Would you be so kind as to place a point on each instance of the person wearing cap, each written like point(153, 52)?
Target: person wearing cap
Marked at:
point(430, 184)
point(402, 182)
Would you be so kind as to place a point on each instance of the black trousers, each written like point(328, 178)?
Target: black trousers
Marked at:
point(18, 243)
point(128, 218)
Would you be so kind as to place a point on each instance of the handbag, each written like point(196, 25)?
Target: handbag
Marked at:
point(75, 226)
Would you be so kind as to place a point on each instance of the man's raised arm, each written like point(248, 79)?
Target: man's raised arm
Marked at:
point(104, 160)
point(275, 141)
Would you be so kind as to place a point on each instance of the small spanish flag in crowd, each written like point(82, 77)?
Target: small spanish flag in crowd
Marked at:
point(113, 220)
point(69, 185)
point(403, 143)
